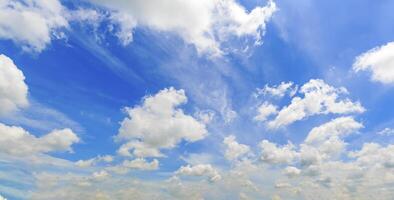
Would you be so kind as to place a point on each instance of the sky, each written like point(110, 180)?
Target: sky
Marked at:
point(198, 99)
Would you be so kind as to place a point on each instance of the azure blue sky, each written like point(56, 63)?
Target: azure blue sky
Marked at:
point(198, 99)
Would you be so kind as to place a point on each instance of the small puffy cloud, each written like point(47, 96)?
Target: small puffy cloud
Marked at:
point(93, 161)
point(13, 89)
point(17, 141)
point(203, 23)
point(31, 23)
point(233, 149)
point(271, 153)
point(379, 61)
point(2, 198)
point(278, 90)
point(319, 98)
point(141, 164)
point(264, 111)
point(100, 175)
point(199, 170)
point(158, 124)
point(291, 171)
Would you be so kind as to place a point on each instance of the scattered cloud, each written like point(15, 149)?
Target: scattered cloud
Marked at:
point(379, 61)
point(205, 24)
point(32, 24)
point(199, 170)
point(318, 98)
point(234, 150)
point(265, 110)
point(13, 89)
point(278, 90)
point(158, 124)
point(17, 141)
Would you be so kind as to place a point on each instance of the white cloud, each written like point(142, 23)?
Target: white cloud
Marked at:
point(319, 98)
point(2, 198)
point(325, 141)
point(13, 89)
point(386, 132)
point(233, 149)
point(93, 161)
point(17, 141)
point(379, 61)
point(158, 124)
point(278, 90)
point(291, 171)
point(373, 154)
point(338, 127)
point(264, 111)
point(204, 23)
point(199, 170)
point(141, 164)
point(31, 23)
point(271, 153)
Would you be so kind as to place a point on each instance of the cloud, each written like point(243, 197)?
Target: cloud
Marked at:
point(2, 198)
point(386, 132)
point(199, 170)
point(18, 142)
point(203, 23)
point(278, 90)
point(373, 154)
point(319, 98)
point(31, 23)
point(93, 161)
point(158, 124)
point(291, 171)
point(265, 110)
point(141, 164)
point(271, 153)
point(234, 150)
point(13, 89)
point(379, 61)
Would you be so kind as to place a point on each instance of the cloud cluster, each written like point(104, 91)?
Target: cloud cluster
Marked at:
point(234, 150)
point(13, 89)
point(203, 23)
point(32, 23)
point(199, 170)
point(379, 61)
point(318, 98)
point(158, 124)
point(17, 141)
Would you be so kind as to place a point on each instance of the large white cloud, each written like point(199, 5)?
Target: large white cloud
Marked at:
point(13, 89)
point(379, 61)
point(18, 142)
point(204, 23)
point(158, 124)
point(319, 98)
point(31, 23)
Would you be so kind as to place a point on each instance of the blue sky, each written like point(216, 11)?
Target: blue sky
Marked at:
point(213, 99)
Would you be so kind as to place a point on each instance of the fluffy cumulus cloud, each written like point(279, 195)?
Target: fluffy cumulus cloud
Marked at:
point(234, 149)
point(158, 124)
point(199, 170)
point(2, 198)
point(379, 61)
point(278, 90)
point(271, 153)
point(141, 164)
point(17, 141)
point(31, 23)
point(265, 110)
point(13, 89)
point(318, 98)
point(204, 23)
